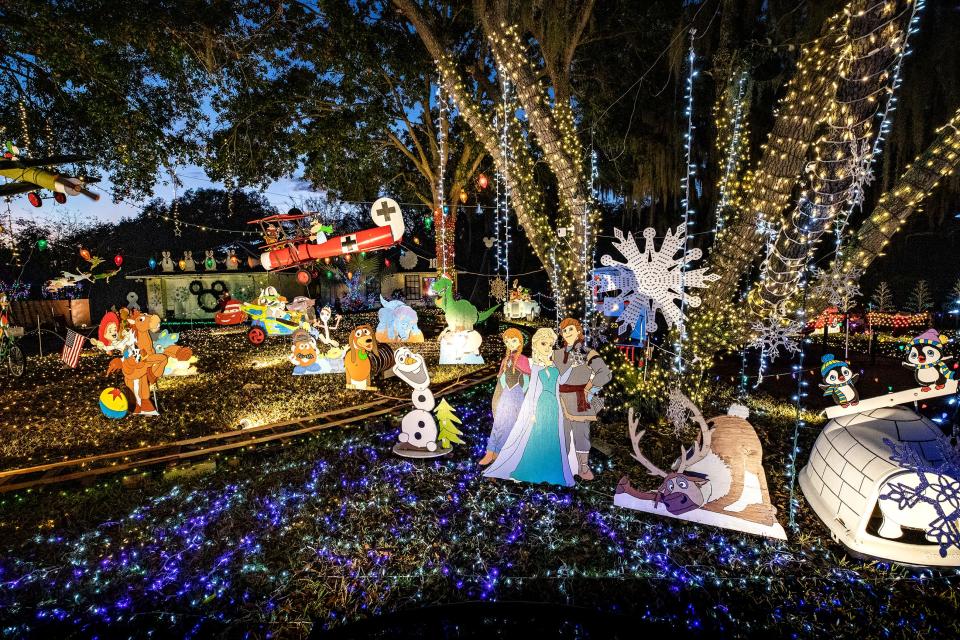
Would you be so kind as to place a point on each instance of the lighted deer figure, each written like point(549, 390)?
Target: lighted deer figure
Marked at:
point(721, 473)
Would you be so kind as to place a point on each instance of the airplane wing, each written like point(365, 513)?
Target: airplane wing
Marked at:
point(13, 188)
point(40, 162)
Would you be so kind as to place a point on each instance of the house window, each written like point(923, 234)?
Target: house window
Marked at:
point(411, 287)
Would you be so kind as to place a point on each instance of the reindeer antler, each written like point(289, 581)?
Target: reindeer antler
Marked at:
point(700, 450)
point(635, 437)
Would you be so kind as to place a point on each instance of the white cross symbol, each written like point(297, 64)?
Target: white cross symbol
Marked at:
point(385, 211)
point(349, 244)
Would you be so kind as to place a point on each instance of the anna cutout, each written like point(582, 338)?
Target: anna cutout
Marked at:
point(512, 382)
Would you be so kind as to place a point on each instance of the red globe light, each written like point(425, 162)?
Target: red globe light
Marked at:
point(303, 277)
point(118, 259)
point(482, 181)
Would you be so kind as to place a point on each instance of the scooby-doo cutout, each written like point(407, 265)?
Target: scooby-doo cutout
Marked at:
point(719, 481)
point(141, 364)
point(365, 359)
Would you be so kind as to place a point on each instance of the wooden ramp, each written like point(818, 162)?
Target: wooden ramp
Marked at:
point(193, 449)
point(891, 400)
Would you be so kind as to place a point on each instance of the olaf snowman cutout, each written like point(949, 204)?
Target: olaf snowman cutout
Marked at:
point(839, 381)
point(926, 359)
point(418, 429)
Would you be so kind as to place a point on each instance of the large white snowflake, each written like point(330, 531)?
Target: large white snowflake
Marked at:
point(650, 280)
point(838, 287)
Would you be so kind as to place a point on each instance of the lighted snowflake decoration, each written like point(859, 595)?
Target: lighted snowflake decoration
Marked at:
point(839, 288)
point(498, 289)
point(776, 333)
point(860, 170)
point(678, 410)
point(936, 483)
point(650, 280)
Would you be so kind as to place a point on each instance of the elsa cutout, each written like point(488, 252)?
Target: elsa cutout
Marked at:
point(536, 450)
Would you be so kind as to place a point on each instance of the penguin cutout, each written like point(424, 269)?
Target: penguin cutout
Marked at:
point(232, 261)
point(926, 358)
point(188, 263)
point(418, 429)
point(840, 381)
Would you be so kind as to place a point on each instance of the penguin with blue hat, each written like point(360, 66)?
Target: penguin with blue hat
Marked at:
point(839, 381)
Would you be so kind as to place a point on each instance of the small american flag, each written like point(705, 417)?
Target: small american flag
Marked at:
point(71, 348)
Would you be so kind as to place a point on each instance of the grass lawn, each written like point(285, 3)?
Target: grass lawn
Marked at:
point(52, 412)
point(336, 528)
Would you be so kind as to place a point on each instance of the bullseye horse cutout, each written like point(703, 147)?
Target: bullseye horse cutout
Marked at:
point(719, 481)
point(140, 364)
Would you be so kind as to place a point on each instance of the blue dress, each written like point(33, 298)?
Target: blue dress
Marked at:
point(543, 458)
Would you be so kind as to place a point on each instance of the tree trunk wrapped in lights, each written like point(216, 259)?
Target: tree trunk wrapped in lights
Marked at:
point(875, 34)
point(785, 153)
point(553, 129)
point(893, 209)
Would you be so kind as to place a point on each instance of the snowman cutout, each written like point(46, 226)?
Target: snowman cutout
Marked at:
point(418, 429)
point(188, 263)
point(166, 264)
point(926, 359)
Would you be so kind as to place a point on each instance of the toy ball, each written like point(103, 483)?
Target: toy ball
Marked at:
point(113, 403)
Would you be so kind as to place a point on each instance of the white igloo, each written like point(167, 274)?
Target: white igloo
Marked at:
point(850, 467)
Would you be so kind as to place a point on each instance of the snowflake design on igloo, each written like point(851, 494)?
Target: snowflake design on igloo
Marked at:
point(650, 280)
point(937, 484)
point(838, 287)
point(775, 333)
point(498, 289)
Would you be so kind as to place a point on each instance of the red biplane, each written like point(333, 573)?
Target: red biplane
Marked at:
point(289, 240)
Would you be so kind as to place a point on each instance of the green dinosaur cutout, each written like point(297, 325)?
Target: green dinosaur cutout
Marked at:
point(461, 315)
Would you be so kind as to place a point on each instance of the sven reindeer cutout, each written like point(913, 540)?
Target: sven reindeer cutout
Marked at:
point(719, 481)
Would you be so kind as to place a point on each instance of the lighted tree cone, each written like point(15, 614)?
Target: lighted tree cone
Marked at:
point(863, 74)
point(895, 207)
point(527, 200)
point(445, 231)
point(785, 153)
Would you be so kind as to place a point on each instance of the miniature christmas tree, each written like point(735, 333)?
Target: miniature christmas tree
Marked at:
point(448, 421)
point(920, 299)
point(883, 297)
